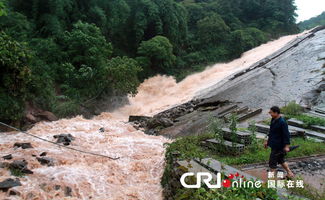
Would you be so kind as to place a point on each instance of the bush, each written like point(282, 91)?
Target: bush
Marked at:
point(292, 109)
point(15, 77)
point(67, 109)
point(158, 53)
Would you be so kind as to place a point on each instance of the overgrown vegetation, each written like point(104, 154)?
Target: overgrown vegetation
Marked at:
point(72, 51)
point(308, 147)
point(227, 193)
point(294, 110)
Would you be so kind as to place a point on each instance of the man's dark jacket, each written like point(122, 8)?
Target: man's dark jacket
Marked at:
point(279, 135)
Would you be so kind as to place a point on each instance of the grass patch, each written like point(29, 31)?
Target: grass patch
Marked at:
point(16, 172)
point(309, 120)
point(307, 147)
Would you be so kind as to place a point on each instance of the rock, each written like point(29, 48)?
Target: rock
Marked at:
point(66, 139)
point(45, 161)
point(156, 122)
point(101, 130)
point(20, 165)
point(68, 191)
point(31, 118)
point(151, 132)
point(133, 118)
point(47, 116)
point(4, 165)
point(9, 183)
point(13, 192)
point(7, 157)
point(57, 187)
point(43, 154)
point(23, 145)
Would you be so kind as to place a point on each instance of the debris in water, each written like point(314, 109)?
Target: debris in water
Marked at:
point(20, 165)
point(46, 161)
point(43, 154)
point(7, 157)
point(102, 130)
point(23, 145)
point(66, 139)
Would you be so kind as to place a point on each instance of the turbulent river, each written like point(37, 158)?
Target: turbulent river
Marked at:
point(137, 172)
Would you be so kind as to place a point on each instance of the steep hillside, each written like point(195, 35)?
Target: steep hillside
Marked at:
point(313, 22)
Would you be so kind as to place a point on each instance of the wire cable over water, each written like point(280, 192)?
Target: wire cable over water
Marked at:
point(71, 148)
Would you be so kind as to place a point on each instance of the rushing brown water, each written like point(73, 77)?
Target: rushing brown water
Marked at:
point(137, 174)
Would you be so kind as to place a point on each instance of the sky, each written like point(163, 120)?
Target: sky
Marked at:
point(309, 8)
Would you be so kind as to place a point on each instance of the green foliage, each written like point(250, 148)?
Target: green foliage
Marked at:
point(158, 52)
point(80, 49)
point(227, 193)
point(309, 120)
point(253, 147)
point(291, 109)
point(212, 30)
point(67, 108)
point(15, 77)
point(246, 39)
point(2, 9)
point(16, 172)
point(122, 74)
point(215, 127)
point(308, 147)
point(313, 22)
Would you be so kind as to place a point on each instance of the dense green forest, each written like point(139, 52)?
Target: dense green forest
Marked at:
point(60, 54)
point(312, 22)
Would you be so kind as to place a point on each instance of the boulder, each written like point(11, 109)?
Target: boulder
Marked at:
point(46, 115)
point(66, 139)
point(13, 192)
point(133, 118)
point(20, 165)
point(31, 118)
point(9, 183)
point(157, 121)
point(4, 164)
point(24, 145)
point(7, 157)
point(43, 154)
point(45, 161)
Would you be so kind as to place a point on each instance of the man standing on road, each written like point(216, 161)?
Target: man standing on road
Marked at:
point(279, 141)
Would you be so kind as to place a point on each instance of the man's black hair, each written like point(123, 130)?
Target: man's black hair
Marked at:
point(276, 109)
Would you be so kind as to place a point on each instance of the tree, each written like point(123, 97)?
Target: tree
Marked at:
point(212, 30)
point(158, 54)
point(15, 76)
point(86, 52)
point(246, 39)
point(122, 74)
